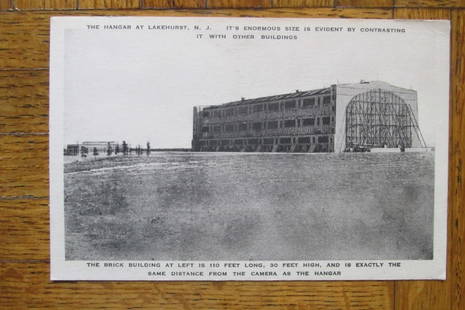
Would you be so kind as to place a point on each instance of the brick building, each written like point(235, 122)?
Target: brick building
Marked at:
point(342, 117)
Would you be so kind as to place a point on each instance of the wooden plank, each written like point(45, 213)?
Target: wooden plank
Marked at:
point(27, 37)
point(457, 188)
point(424, 294)
point(430, 3)
point(27, 33)
point(236, 4)
point(174, 4)
point(24, 97)
point(24, 167)
point(109, 4)
point(421, 13)
point(365, 3)
point(5, 5)
point(27, 285)
point(45, 4)
point(302, 3)
point(24, 229)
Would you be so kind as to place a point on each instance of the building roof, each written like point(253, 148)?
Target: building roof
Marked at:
point(300, 94)
point(293, 95)
point(97, 142)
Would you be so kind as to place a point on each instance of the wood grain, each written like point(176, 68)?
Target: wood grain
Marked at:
point(430, 3)
point(457, 163)
point(175, 4)
point(27, 285)
point(27, 41)
point(24, 229)
point(365, 3)
point(109, 4)
point(28, 32)
point(421, 13)
point(45, 4)
point(236, 4)
point(24, 167)
point(24, 101)
point(5, 5)
point(302, 3)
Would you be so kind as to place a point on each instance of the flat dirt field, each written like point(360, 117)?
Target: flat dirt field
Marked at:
point(231, 206)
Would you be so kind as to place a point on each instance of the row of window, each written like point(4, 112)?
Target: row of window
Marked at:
point(288, 105)
point(267, 141)
point(257, 126)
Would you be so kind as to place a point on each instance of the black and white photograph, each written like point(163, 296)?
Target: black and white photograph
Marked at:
point(193, 148)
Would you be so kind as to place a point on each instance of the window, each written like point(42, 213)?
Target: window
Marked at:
point(308, 122)
point(252, 141)
point(205, 129)
point(205, 114)
point(229, 112)
point(224, 142)
point(289, 123)
point(323, 139)
point(212, 142)
point(285, 140)
point(289, 105)
point(268, 141)
point(326, 120)
point(318, 121)
point(308, 103)
point(243, 126)
point(273, 107)
point(272, 124)
point(258, 108)
point(243, 110)
point(257, 126)
point(229, 127)
point(326, 100)
point(304, 140)
point(238, 142)
point(217, 128)
point(217, 113)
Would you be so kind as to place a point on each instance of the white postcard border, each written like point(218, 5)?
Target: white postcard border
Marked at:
point(88, 270)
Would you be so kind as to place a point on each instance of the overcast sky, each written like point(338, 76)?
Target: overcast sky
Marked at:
point(141, 86)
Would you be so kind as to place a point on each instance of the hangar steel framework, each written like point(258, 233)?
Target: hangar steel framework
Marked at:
point(380, 118)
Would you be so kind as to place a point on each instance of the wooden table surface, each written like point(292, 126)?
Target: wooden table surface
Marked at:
point(24, 212)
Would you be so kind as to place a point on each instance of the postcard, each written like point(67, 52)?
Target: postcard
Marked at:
point(197, 148)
